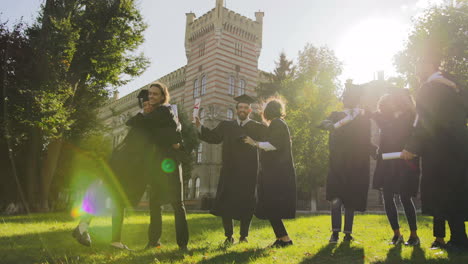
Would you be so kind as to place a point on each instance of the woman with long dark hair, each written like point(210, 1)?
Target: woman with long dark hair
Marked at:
point(395, 117)
point(276, 187)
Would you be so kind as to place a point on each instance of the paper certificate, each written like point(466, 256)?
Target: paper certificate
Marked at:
point(391, 155)
point(196, 108)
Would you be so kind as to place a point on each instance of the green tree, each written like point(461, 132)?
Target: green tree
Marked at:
point(312, 95)
point(80, 48)
point(191, 142)
point(442, 29)
point(274, 81)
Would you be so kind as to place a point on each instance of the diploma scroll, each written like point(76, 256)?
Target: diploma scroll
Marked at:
point(343, 122)
point(391, 155)
point(196, 108)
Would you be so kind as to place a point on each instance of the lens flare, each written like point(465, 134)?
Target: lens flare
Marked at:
point(168, 165)
point(93, 183)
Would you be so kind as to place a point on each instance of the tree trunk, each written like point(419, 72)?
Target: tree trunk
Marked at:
point(32, 157)
point(48, 169)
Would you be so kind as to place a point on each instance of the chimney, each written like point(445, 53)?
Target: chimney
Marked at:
point(259, 17)
point(190, 17)
point(219, 4)
point(116, 95)
point(380, 76)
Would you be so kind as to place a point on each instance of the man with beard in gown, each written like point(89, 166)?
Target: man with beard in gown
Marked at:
point(235, 196)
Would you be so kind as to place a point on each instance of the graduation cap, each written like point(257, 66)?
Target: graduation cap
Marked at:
point(245, 99)
point(142, 97)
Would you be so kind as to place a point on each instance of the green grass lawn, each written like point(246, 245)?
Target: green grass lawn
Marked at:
point(46, 238)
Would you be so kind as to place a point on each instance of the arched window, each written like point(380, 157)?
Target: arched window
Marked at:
point(197, 188)
point(189, 189)
point(230, 113)
point(199, 153)
point(241, 87)
point(231, 85)
point(196, 91)
point(203, 85)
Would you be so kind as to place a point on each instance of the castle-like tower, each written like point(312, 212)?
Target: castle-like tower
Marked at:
point(222, 49)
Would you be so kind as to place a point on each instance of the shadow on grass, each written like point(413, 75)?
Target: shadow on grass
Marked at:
point(344, 253)
point(239, 257)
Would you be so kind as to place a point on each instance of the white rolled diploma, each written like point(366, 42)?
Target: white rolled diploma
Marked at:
point(391, 155)
point(343, 122)
point(196, 108)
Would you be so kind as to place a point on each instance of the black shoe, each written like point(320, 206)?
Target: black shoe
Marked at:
point(348, 238)
point(153, 245)
point(184, 249)
point(413, 242)
point(437, 245)
point(229, 241)
point(334, 238)
point(243, 240)
point(82, 238)
point(281, 244)
point(397, 240)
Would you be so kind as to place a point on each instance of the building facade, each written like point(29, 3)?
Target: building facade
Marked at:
point(222, 49)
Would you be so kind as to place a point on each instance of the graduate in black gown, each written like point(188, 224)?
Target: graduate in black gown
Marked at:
point(440, 138)
point(395, 118)
point(350, 150)
point(129, 163)
point(235, 196)
point(276, 189)
point(164, 170)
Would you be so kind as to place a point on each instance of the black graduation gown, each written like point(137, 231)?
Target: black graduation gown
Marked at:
point(129, 164)
point(441, 139)
point(397, 176)
point(164, 169)
point(277, 178)
point(235, 196)
point(350, 147)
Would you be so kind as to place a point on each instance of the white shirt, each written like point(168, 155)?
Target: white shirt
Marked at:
point(245, 121)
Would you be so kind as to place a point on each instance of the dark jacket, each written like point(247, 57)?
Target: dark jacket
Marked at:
point(441, 139)
point(277, 179)
point(350, 150)
point(397, 176)
point(164, 169)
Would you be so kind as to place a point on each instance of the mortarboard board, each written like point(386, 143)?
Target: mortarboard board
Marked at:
point(244, 99)
point(142, 97)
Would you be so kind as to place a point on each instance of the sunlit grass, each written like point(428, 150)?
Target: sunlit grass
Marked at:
point(47, 239)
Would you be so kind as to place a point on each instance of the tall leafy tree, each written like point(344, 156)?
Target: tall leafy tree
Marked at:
point(442, 29)
point(80, 49)
point(312, 95)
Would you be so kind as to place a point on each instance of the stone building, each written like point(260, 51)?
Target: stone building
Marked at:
point(222, 49)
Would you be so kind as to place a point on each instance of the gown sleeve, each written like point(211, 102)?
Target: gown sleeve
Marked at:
point(212, 136)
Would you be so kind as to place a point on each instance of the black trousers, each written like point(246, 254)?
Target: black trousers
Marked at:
point(229, 226)
point(278, 228)
point(438, 227)
point(457, 231)
point(392, 212)
point(336, 206)
point(155, 227)
point(117, 222)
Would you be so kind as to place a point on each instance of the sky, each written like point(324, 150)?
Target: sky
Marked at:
point(365, 34)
